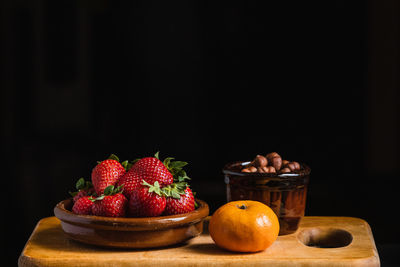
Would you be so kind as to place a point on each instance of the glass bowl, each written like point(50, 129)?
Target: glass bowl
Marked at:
point(284, 193)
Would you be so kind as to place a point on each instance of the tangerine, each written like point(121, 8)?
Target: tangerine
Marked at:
point(244, 226)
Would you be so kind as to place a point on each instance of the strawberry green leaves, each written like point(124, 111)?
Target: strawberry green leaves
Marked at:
point(127, 165)
point(153, 188)
point(172, 191)
point(72, 193)
point(81, 184)
point(178, 187)
point(110, 191)
point(175, 167)
point(114, 157)
point(175, 190)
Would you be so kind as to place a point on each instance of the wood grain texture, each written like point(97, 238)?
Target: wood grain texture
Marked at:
point(48, 246)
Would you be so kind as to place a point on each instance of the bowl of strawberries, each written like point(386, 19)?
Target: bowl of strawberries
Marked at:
point(145, 203)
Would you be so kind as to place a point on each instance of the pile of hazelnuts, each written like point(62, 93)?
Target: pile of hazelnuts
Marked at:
point(271, 163)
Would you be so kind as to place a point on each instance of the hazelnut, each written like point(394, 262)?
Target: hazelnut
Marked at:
point(260, 169)
point(297, 165)
point(272, 155)
point(275, 160)
point(290, 166)
point(271, 163)
point(260, 161)
point(271, 169)
point(293, 166)
point(252, 169)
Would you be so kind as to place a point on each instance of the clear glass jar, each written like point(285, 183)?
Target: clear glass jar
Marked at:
point(284, 193)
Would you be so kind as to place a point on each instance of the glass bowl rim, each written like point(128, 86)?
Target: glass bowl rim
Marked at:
point(226, 170)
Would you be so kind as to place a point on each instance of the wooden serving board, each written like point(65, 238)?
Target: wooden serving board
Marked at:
point(48, 246)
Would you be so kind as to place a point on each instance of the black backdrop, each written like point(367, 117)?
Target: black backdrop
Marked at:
point(205, 82)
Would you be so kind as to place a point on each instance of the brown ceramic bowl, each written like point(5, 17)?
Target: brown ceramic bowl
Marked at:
point(131, 232)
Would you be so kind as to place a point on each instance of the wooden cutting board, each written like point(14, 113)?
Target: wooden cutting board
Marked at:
point(48, 246)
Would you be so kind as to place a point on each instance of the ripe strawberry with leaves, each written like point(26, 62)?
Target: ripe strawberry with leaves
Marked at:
point(180, 199)
point(83, 205)
point(152, 169)
point(147, 201)
point(165, 172)
point(112, 203)
point(107, 173)
point(84, 188)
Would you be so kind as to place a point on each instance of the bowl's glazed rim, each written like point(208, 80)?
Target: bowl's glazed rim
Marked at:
point(227, 170)
point(129, 223)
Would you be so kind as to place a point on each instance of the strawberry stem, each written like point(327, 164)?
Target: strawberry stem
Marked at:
point(175, 190)
point(127, 165)
point(112, 190)
point(154, 188)
point(114, 157)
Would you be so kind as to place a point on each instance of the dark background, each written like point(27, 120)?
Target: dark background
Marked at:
point(205, 82)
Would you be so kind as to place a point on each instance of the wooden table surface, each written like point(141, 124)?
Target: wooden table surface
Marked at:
point(48, 246)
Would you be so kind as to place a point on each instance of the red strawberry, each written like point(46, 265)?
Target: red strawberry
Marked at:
point(114, 206)
point(111, 204)
point(97, 209)
point(131, 181)
point(152, 170)
point(107, 173)
point(182, 204)
point(83, 193)
point(83, 206)
point(84, 188)
point(147, 201)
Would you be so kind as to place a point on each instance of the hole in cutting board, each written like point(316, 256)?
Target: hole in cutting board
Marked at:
point(325, 237)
